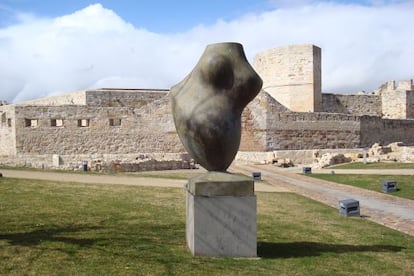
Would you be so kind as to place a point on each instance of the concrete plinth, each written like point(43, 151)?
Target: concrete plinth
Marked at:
point(221, 216)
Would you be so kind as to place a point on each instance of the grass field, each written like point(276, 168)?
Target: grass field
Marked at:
point(168, 174)
point(376, 165)
point(50, 228)
point(405, 183)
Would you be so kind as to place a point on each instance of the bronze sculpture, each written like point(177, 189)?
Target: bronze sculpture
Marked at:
point(208, 103)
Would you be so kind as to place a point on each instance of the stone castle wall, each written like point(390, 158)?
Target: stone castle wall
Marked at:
point(77, 132)
point(105, 129)
point(130, 128)
point(386, 131)
point(268, 126)
point(255, 122)
point(299, 130)
point(352, 104)
point(292, 75)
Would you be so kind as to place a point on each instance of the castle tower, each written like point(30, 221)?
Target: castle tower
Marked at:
point(292, 75)
point(397, 99)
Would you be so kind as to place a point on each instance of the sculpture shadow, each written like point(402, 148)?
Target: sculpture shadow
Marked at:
point(309, 249)
point(35, 237)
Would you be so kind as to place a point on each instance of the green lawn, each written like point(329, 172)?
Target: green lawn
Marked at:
point(50, 228)
point(405, 183)
point(376, 165)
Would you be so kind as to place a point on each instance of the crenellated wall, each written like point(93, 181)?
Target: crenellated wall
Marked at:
point(397, 99)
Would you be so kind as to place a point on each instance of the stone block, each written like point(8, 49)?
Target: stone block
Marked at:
point(389, 186)
point(56, 160)
point(349, 208)
point(220, 225)
point(257, 175)
point(306, 170)
point(220, 184)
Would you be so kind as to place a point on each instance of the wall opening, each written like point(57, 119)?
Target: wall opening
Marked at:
point(83, 123)
point(9, 122)
point(31, 123)
point(56, 122)
point(115, 122)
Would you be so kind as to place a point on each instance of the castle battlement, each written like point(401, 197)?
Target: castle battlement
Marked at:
point(401, 85)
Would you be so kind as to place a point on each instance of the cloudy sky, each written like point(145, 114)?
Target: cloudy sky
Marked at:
point(52, 47)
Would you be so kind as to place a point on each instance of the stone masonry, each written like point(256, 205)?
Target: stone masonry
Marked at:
point(129, 129)
point(292, 75)
point(398, 99)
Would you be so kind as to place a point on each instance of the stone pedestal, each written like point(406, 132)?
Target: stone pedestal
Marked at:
point(221, 216)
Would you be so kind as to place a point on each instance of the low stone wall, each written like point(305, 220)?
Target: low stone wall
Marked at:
point(102, 162)
point(149, 165)
point(297, 157)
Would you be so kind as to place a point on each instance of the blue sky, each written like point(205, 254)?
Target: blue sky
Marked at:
point(154, 15)
point(51, 47)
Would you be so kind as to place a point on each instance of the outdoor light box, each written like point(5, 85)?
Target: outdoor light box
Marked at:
point(307, 170)
point(389, 186)
point(349, 208)
point(257, 175)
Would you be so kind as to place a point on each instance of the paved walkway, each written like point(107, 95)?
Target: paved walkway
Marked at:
point(391, 211)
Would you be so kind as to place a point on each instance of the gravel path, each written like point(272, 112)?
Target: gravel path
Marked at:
point(117, 179)
point(388, 210)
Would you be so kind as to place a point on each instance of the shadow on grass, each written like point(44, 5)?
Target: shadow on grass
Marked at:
point(308, 249)
point(35, 237)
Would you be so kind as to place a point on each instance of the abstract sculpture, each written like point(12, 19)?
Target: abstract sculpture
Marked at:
point(208, 103)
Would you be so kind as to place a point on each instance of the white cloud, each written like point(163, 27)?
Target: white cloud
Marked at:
point(362, 46)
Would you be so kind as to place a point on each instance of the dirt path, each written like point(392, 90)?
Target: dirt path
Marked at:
point(388, 210)
point(115, 179)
